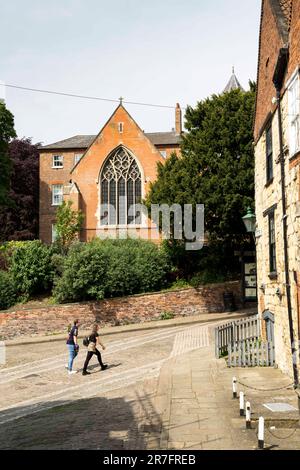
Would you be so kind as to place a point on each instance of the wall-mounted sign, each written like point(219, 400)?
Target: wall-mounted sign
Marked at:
point(250, 279)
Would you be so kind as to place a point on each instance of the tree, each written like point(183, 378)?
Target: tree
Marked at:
point(7, 132)
point(68, 224)
point(19, 221)
point(216, 167)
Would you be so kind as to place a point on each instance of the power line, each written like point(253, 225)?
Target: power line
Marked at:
point(95, 98)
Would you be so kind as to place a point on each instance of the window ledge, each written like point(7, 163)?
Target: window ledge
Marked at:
point(268, 183)
point(273, 276)
point(57, 167)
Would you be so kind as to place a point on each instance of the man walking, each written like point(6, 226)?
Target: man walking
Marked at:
point(73, 347)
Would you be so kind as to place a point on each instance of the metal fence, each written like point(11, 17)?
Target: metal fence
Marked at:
point(247, 353)
point(238, 330)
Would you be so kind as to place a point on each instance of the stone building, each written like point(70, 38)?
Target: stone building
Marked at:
point(277, 178)
point(105, 175)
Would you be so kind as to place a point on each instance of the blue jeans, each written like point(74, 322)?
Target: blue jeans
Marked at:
point(72, 355)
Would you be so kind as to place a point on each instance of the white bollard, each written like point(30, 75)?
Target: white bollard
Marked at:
point(261, 433)
point(242, 404)
point(248, 415)
point(234, 387)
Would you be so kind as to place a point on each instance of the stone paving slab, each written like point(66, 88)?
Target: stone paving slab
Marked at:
point(202, 413)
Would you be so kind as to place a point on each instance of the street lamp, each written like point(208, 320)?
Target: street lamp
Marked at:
point(248, 273)
point(250, 221)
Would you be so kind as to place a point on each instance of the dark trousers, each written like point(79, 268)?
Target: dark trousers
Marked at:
point(89, 357)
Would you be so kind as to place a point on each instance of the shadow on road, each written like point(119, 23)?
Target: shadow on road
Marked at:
point(94, 423)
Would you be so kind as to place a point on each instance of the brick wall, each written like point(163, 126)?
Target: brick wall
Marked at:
point(48, 177)
point(134, 309)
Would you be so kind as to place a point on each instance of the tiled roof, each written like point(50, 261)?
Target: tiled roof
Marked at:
point(164, 138)
point(84, 141)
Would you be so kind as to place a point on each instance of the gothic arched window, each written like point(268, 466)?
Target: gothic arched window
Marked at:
point(121, 189)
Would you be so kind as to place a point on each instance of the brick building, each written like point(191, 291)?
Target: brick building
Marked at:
point(277, 178)
point(113, 168)
point(104, 176)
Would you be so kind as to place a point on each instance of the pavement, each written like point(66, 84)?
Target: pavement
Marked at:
point(164, 389)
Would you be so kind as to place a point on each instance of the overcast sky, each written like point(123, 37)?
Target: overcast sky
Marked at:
point(158, 51)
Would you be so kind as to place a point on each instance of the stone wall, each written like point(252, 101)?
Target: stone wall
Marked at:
point(269, 195)
point(135, 309)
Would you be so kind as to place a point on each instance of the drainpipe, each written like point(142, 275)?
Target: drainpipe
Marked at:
point(285, 243)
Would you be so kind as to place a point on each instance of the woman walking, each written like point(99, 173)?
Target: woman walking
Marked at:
point(73, 347)
point(94, 341)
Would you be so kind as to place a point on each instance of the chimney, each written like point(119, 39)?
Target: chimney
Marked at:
point(178, 120)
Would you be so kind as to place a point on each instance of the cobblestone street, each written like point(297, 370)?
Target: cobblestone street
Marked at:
point(163, 390)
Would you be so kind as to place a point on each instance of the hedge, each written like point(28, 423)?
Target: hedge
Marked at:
point(111, 268)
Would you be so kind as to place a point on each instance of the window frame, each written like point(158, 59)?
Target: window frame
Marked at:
point(137, 193)
point(61, 157)
point(55, 203)
point(269, 153)
point(163, 153)
point(272, 243)
point(76, 155)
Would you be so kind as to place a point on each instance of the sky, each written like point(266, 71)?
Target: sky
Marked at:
point(158, 51)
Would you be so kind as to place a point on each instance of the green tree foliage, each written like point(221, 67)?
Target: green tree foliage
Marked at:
point(7, 132)
point(83, 276)
point(31, 268)
point(111, 268)
point(19, 221)
point(216, 167)
point(8, 294)
point(68, 224)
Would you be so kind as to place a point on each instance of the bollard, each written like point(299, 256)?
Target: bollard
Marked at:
point(242, 404)
point(248, 415)
point(261, 433)
point(234, 388)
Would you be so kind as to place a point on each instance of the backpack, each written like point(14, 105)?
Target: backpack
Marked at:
point(86, 341)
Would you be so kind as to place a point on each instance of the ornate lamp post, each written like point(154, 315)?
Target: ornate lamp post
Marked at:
point(250, 221)
point(249, 263)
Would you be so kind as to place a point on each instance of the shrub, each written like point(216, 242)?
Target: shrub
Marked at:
point(31, 268)
point(111, 268)
point(8, 296)
point(135, 266)
point(6, 251)
point(207, 277)
point(167, 316)
point(83, 276)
